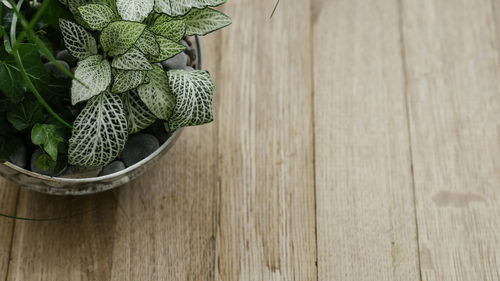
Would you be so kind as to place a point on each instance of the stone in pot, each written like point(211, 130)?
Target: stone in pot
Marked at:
point(138, 147)
point(55, 71)
point(112, 168)
point(179, 61)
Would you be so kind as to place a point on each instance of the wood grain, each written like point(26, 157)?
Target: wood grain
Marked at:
point(8, 200)
point(266, 221)
point(452, 52)
point(366, 222)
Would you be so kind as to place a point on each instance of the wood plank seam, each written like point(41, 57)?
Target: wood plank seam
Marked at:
point(12, 236)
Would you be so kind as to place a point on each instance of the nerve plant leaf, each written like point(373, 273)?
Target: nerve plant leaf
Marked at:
point(78, 41)
point(101, 131)
point(168, 49)
point(181, 7)
point(156, 94)
point(119, 36)
point(147, 44)
point(138, 115)
point(97, 16)
point(94, 72)
point(202, 22)
point(126, 80)
point(132, 60)
point(134, 10)
point(193, 93)
point(170, 29)
point(48, 137)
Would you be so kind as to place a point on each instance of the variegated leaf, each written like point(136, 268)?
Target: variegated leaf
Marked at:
point(156, 94)
point(202, 22)
point(181, 7)
point(101, 131)
point(126, 80)
point(94, 72)
point(173, 29)
point(138, 115)
point(132, 60)
point(77, 40)
point(168, 49)
point(193, 92)
point(147, 43)
point(134, 10)
point(97, 16)
point(119, 36)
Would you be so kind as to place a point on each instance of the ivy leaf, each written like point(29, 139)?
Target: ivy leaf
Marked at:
point(156, 94)
point(181, 7)
point(11, 82)
point(125, 80)
point(78, 41)
point(132, 60)
point(25, 114)
point(134, 10)
point(147, 43)
point(168, 49)
point(95, 72)
point(101, 131)
point(45, 162)
point(138, 115)
point(97, 16)
point(119, 36)
point(193, 92)
point(202, 22)
point(48, 137)
point(170, 29)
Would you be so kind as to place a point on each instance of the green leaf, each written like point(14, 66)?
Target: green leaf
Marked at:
point(138, 115)
point(132, 60)
point(25, 114)
point(125, 80)
point(48, 137)
point(202, 22)
point(193, 93)
point(168, 49)
point(54, 12)
point(181, 7)
point(2, 31)
point(95, 72)
point(97, 16)
point(156, 94)
point(173, 29)
point(45, 162)
point(101, 132)
point(12, 83)
point(147, 43)
point(78, 41)
point(119, 36)
point(134, 10)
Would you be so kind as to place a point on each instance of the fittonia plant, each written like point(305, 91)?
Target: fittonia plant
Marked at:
point(118, 77)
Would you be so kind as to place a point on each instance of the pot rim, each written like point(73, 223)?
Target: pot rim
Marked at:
point(121, 173)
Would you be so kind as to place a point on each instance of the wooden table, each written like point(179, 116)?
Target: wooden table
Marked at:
point(355, 140)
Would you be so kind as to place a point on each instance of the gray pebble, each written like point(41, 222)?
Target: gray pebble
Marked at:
point(67, 57)
point(177, 62)
point(188, 68)
point(20, 156)
point(138, 147)
point(185, 44)
point(78, 172)
point(36, 154)
point(55, 71)
point(112, 168)
point(158, 130)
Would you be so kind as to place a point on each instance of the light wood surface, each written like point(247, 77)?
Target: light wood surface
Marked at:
point(354, 140)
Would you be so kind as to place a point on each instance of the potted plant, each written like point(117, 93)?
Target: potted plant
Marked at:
point(93, 92)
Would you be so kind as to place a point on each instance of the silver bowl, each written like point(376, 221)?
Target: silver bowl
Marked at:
point(82, 186)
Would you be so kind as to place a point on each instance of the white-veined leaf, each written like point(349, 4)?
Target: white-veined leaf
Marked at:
point(101, 131)
point(132, 60)
point(126, 80)
point(156, 94)
point(202, 22)
point(168, 49)
point(119, 36)
point(97, 16)
point(147, 43)
point(181, 7)
point(134, 10)
point(173, 29)
point(193, 92)
point(95, 72)
point(77, 40)
point(138, 115)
